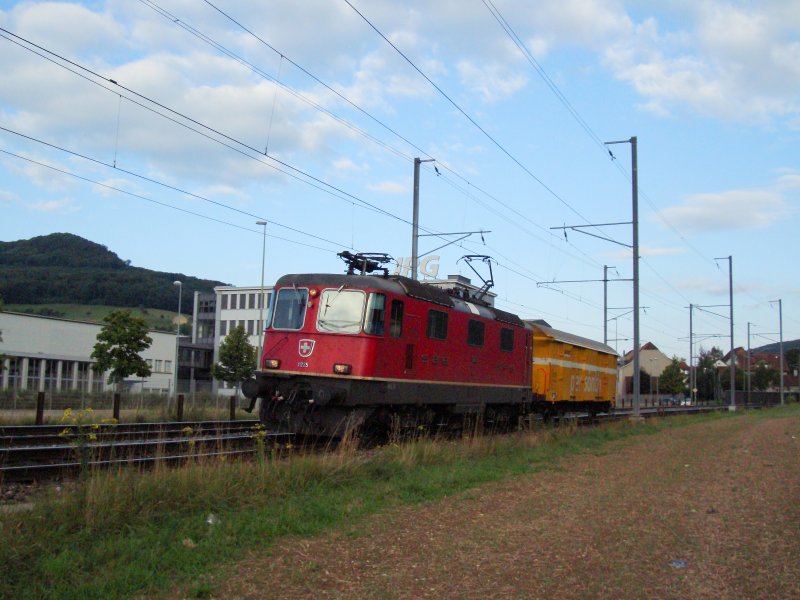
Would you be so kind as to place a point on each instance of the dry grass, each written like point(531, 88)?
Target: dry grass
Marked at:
point(721, 496)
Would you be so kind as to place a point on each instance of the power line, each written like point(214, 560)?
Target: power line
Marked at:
point(294, 172)
point(467, 116)
point(540, 70)
point(162, 184)
point(158, 202)
point(174, 19)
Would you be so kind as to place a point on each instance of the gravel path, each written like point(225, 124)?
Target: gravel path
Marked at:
point(706, 511)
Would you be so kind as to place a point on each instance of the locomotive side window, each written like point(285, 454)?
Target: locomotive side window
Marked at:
point(506, 339)
point(341, 311)
point(376, 314)
point(290, 308)
point(396, 319)
point(437, 325)
point(475, 332)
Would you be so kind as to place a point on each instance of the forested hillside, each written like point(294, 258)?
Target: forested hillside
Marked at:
point(62, 268)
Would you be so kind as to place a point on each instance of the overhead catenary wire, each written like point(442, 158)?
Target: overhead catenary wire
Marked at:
point(183, 24)
point(161, 183)
point(455, 105)
point(191, 123)
point(497, 14)
point(158, 202)
point(294, 172)
point(352, 202)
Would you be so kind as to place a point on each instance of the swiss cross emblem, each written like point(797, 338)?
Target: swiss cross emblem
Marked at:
point(305, 348)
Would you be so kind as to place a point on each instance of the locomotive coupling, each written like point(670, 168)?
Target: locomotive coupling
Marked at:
point(253, 388)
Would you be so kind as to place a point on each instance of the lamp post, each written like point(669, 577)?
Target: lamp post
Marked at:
point(179, 285)
point(262, 325)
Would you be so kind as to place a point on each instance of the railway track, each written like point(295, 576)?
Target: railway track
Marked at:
point(30, 453)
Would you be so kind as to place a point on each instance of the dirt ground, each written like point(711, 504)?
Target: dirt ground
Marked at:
point(706, 511)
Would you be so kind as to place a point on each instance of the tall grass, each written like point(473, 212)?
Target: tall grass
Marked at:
point(125, 532)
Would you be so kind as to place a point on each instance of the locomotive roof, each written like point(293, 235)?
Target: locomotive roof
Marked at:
point(571, 338)
point(397, 284)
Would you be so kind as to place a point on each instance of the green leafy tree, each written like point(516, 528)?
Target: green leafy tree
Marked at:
point(764, 376)
point(119, 345)
point(2, 356)
point(791, 359)
point(672, 380)
point(707, 376)
point(237, 358)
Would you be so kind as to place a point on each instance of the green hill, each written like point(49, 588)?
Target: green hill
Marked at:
point(62, 268)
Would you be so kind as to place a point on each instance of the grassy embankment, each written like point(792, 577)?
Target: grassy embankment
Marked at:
point(135, 409)
point(126, 533)
point(157, 319)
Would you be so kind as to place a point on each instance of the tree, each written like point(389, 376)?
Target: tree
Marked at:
point(118, 346)
point(237, 358)
point(764, 376)
point(792, 359)
point(707, 379)
point(672, 380)
point(2, 356)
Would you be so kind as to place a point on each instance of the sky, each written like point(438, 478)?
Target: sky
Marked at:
point(165, 129)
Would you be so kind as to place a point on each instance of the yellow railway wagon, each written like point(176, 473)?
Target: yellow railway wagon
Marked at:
point(570, 372)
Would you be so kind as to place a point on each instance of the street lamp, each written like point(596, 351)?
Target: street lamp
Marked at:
point(261, 295)
point(179, 285)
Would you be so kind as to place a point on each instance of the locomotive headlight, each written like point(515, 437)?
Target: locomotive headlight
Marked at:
point(342, 369)
point(272, 363)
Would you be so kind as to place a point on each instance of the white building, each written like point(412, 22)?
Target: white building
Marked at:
point(43, 354)
point(240, 307)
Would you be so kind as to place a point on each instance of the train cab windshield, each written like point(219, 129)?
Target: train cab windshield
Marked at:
point(290, 308)
point(341, 311)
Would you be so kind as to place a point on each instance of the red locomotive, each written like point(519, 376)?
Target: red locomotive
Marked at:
point(380, 351)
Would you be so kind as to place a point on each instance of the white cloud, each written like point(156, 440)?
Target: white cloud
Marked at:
point(493, 82)
point(347, 164)
point(722, 60)
point(660, 251)
point(65, 205)
point(388, 187)
point(717, 287)
point(730, 210)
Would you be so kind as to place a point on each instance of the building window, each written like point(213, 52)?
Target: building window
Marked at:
point(241, 323)
point(506, 339)
point(250, 327)
point(223, 328)
point(475, 332)
point(224, 301)
point(159, 368)
point(396, 319)
point(242, 300)
point(168, 366)
point(437, 325)
point(251, 301)
point(233, 301)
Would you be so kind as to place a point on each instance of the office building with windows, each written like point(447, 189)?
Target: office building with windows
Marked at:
point(50, 354)
point(245, 307)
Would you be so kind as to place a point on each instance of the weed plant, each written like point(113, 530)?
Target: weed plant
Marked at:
point(130, 533)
